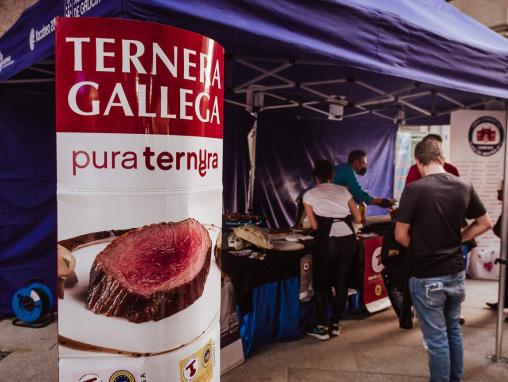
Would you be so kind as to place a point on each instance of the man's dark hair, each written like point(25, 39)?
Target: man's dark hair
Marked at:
point(323, 170)
point(356, 155)
point(435, 137)
point(428, 151)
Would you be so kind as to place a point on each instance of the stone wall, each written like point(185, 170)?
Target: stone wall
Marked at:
point(492, 13)
point(10, 10)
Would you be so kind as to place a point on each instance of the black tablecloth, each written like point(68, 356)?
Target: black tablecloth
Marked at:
point(246, 274)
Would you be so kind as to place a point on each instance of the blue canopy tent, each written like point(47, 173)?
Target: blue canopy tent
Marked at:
point(324, 63)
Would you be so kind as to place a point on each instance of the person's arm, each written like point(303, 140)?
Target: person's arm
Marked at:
point(402, 234)
point(351, 182)
point(477, 227)
point(354, 187)
point(355, 212)
point(382, 202)
point(497, 226)
point(310, 214)
point(405, 216)
point(476, 211)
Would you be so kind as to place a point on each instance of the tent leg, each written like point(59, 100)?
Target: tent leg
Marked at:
point(252, 137)
point(498, 357)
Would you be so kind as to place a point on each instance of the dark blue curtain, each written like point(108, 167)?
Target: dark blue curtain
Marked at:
point(289, 145)
point(27, 189)
point(237, 124)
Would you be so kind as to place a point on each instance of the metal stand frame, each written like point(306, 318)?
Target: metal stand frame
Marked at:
point(498, 356)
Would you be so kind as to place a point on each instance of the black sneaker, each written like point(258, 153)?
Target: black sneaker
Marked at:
point(319, 332)
point(336, 329)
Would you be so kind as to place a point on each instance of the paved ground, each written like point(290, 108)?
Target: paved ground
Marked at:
point(371, 349)
point(375, 349)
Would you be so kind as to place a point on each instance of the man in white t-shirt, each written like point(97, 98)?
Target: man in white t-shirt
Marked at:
point(331, 210)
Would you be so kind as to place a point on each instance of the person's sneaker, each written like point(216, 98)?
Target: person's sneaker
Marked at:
point(336, 329)
point(492, 305)
point(319, 332)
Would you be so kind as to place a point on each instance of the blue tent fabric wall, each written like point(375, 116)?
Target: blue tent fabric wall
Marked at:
point(428, 41)
point(27, 191)
point(424, 40)
point(288, 147)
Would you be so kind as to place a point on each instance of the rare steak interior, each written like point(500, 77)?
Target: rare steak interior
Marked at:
point(152, 272)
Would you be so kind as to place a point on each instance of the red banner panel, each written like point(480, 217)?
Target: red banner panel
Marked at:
point(375, 296)
point(138, 80)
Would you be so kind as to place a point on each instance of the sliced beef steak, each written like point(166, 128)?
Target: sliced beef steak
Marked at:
point(152, 272)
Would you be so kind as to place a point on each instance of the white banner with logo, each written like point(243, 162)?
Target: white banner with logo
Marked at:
point(477, 150)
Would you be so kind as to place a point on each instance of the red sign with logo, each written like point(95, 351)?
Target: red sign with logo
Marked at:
point(375, 296)
point(157, 80)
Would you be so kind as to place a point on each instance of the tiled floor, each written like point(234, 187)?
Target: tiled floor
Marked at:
point(33, 353)
point(373, 349)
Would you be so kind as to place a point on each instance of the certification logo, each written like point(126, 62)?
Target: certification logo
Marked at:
point(199, 366)
point(122, 376)
point(207, 356)
point(378, 290)
point(486, 136)
point(377, 265)
point(90, 377)
point(191, 369)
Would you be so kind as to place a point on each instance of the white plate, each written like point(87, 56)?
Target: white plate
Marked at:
point(78, 323)
point(287, 246)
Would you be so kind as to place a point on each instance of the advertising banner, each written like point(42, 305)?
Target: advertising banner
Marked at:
point(477, 149)
point(139, 162)
point(402, 162)
point(375, 296)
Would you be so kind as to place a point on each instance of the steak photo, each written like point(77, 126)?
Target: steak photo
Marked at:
point(152, 272)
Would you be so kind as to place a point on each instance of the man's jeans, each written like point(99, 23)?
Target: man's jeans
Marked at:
point(437, 302)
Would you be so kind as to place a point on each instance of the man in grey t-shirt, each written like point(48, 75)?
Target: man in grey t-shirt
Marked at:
point(429, 222)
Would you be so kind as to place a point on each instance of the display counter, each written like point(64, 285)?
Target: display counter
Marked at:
point(273, 296)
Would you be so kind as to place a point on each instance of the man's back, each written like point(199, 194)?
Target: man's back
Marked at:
point(436, 207)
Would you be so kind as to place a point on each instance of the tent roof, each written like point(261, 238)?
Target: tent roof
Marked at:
point(425, 41)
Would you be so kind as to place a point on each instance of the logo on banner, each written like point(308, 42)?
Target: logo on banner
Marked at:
point(5, 61)
point(377, 265)
point(77, 8)
point(486, 136)
point(122, 376)
point(31, 39)
point(36, 35)
point(199, 366)
point(68, 8)
point(90, 377)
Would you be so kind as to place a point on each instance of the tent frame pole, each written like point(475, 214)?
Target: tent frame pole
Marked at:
point(498, 356)
point(252, 157)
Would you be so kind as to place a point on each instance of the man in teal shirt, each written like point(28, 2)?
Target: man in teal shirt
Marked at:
point(345, 176)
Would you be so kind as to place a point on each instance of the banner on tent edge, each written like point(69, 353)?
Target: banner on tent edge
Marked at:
point(139, 164)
